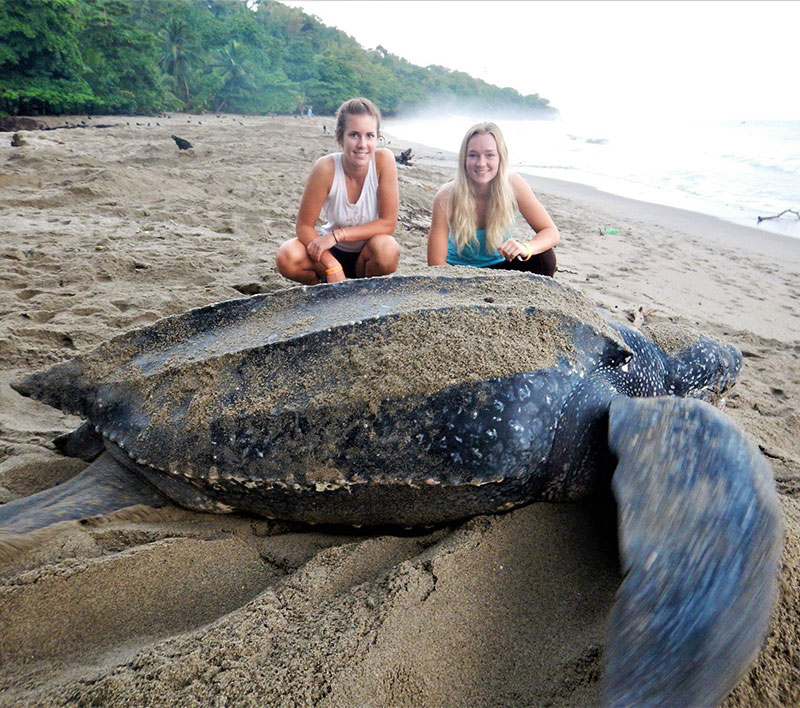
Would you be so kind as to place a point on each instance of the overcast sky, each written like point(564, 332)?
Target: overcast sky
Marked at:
point(719, 59)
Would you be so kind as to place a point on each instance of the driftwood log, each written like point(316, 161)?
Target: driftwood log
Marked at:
point(404, 158)
point(778, 216)
point(80, 125)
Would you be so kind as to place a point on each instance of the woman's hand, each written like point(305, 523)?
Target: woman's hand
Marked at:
point(512, 249)
point(320, 245)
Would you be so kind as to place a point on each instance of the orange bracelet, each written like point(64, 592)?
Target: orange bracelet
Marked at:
point(331, 271)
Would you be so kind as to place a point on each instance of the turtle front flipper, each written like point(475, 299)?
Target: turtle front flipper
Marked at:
point(103, 487)
point(700, 541)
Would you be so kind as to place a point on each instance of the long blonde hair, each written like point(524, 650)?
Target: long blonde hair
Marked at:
point(501, 206)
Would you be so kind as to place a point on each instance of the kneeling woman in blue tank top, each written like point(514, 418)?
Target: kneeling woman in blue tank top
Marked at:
point(473, 215)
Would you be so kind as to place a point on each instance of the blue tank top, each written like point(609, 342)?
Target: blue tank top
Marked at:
point(473, 254)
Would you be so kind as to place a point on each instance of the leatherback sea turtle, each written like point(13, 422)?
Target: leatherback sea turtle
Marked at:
point(422, 399)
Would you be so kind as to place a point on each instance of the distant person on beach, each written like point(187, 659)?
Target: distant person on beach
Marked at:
point(473, 214)
point(357, 188)
point(310, 111)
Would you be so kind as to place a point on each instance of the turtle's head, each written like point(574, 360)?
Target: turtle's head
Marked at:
point(708, 369)
point(675, 360)
point(697, 366)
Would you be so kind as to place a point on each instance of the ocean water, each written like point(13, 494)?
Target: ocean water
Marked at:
point(734, 170)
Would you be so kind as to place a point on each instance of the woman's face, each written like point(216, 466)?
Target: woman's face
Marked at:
point(360, 138)
point(482, 158)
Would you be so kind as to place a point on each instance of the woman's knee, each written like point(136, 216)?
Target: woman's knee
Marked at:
point(385, 249)
point(380, 255)
point(291, 257)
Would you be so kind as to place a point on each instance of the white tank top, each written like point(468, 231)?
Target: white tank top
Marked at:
point(340, 213)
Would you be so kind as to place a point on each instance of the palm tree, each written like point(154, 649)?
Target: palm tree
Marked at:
point(235, 72)
point(177, 55)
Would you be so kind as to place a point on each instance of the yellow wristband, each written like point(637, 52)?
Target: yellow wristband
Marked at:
point(331, 271)
point(529, 250)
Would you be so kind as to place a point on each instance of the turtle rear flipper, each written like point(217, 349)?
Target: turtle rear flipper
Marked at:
point(103, 487)
point(83, 442)
point(700, 541)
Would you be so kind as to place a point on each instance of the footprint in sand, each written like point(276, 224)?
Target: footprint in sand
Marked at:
point(121, 305)
point(88, 311)
point(138, 320)
point(38, 316)
point(27, 294)
point(50, 337)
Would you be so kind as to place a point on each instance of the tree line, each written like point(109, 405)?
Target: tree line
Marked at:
point(236, 56)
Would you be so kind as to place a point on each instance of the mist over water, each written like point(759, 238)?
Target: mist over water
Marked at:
point(734, 170)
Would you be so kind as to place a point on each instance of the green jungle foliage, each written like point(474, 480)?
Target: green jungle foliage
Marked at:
point(235, 56)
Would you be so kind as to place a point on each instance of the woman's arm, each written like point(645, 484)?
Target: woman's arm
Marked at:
point(546, 233)
point(318, 185)
point(388, 198)
point(440, 228)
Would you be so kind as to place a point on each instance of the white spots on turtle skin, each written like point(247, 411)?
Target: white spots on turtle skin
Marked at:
point(500, 437)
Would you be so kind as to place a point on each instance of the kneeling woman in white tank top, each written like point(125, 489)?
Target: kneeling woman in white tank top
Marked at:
point(357, 188)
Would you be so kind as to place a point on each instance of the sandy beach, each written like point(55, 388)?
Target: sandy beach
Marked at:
point(108, 229)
